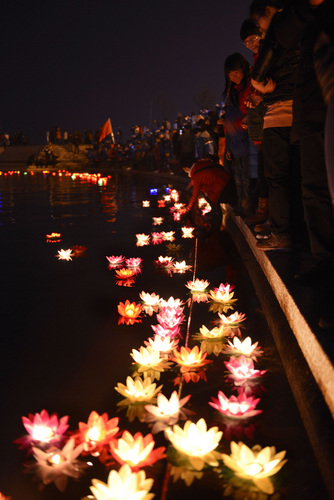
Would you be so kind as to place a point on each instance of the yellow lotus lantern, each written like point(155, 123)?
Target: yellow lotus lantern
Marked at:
point(149, 362)
point(142, 239)
point(53, 237)
point(256, 464)
point(245, 348)
point(196, 442)
point(146, 203)
point(157, 221)
point(137, 391)
point(190, 359)
point(65, 254)
point(197, 285)
point(136, 451)
point(125, 273)
point(187, 232)
point(123, 484)
point(181, 267)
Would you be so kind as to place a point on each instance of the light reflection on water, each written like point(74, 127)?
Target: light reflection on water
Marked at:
point(64, 196)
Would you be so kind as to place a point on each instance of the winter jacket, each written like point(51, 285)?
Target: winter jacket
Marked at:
point(209, 177)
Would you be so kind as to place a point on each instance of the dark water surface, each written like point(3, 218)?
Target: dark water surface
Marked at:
point(62, 348)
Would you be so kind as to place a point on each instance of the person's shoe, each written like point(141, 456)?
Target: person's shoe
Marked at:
point(264, 235)
point(274, 243)
point(261, 213)
point(259, 228)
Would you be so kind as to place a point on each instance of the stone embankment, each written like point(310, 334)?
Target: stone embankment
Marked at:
point(19, 157)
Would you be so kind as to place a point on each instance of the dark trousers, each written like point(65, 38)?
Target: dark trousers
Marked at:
point(316, 197)
point(282, 172)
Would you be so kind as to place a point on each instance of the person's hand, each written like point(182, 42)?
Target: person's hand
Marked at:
point(244, 123)
point(228, 155)
point(266, 87)
point(253, 100)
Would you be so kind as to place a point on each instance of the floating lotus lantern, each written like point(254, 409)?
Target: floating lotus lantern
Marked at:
point(222, 298)
point(234, 319)
point(137, 451)
point(129, 312)
point(256, 464)
point(55, 466)
point(149, 363)
point(197, 285)
point(53, 238)
point(181, 267)
point(157, 221)
point(79, 250)
point(168, 236)
point(187, 232)
point(212, 341)
point(161, 203)
point(190, 360)
point(146, 203)
point(137, 391)
point(96, 433)
point(151, 302)
point(176, 216)
point(115, 260)
point(65, 254)
point(241, 406)
point(157, 238)
point(166, 412)
point(197, 443)
point(174, 194)
point(173, 303)
point(245, 347)
point(142, 240)
point(167, 197)
point(163, 344)
point(242, 369)
point(134, 262)
point(170, 317)
point(125, 273)
point(44, 430)
point(123, 484)
point(164, 261)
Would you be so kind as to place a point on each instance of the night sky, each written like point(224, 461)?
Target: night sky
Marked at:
point(73, 64)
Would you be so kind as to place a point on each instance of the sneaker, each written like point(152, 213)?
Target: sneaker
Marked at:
point(274, 243)
point(259, 228)
point(263, 236)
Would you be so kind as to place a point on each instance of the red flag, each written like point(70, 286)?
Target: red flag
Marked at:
point(105, 130)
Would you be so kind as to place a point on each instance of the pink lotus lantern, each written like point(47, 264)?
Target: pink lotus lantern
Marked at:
point(157, 238)
point(242, 369)
point(115, 260)
point(44, 430)
point(241, 406)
